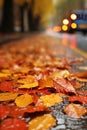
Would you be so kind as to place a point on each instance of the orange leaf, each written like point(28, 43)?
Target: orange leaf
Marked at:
point(8, 96)
point(50, 100)
point(47, 82)
point(75, 110)
point(64, 86)
point(23, 100)
point(44, 122)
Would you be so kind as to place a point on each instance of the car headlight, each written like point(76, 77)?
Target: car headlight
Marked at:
point(64, 27)
point(73, 16)
point(74, 25)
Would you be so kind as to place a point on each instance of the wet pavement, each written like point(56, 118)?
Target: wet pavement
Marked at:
point(61, 50)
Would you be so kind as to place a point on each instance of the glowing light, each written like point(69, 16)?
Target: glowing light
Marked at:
point(57, 29)
point(73, 25)
point(64, 27)
point(65, 21)
point(73, 16)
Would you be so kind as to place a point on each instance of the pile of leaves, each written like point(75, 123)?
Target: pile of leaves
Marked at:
point(32, 79)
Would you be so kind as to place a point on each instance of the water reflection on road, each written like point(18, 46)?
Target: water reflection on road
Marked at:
point(76, 40)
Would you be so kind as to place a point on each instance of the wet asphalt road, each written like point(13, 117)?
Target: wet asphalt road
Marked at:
point(73, 40)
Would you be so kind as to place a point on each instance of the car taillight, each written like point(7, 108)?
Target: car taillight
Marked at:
point(73, 16)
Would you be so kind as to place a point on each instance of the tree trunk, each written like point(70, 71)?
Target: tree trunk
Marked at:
point(34, 21)
point(7, 25)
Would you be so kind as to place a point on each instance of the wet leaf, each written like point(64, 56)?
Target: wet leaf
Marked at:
point(8, 96)
point(4, 111)
point(4, 75)
point(75, 110)
point(17, 111)
point(82, 92)
point(13, 124)
point(28, 79)
point(81, 74)
point(47, 82)
point(79, 98)
point(23, 100)
point(44, 122)
point(29, 85)
point(61, 74)
point(50, 100)
point(64, 86)
point(6, 86)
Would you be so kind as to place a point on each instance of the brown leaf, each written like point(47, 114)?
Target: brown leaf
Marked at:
point(44, 122)
point(75, 110)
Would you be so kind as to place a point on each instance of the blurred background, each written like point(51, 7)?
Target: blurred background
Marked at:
point(36, 15)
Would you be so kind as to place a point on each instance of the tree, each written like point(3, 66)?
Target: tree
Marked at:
point(38, 10)
point(7, 24)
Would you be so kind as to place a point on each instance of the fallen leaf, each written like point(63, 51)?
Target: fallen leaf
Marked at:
point(79, 98)
point(28, 79)
point(4, 75)
point(81, 74)
point(29, 85)
point(64, 86)
point(75, 110)
point(50, 100)
point(61, 74)
point(8, 96)
point(23, 100)
point(13, 124)
point(4, 111)
point(6, 86)
point(44, 122)
point(47, 82)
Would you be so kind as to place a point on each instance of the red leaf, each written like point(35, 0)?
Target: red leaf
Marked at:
point(6, 86)
point(16, 111)
point(13, 124)
point(82, 99)
point(4, 111)
point(64, 86)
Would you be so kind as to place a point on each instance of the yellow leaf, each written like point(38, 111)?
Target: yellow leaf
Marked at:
point(4, 75)
point(44, 122)
point(23, 100)
point(29, 85)
point(28, 79)
point(8, 96)
point(60, 74)
point(50, 100)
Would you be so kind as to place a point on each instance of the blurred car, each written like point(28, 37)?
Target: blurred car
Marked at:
point(77, 21)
